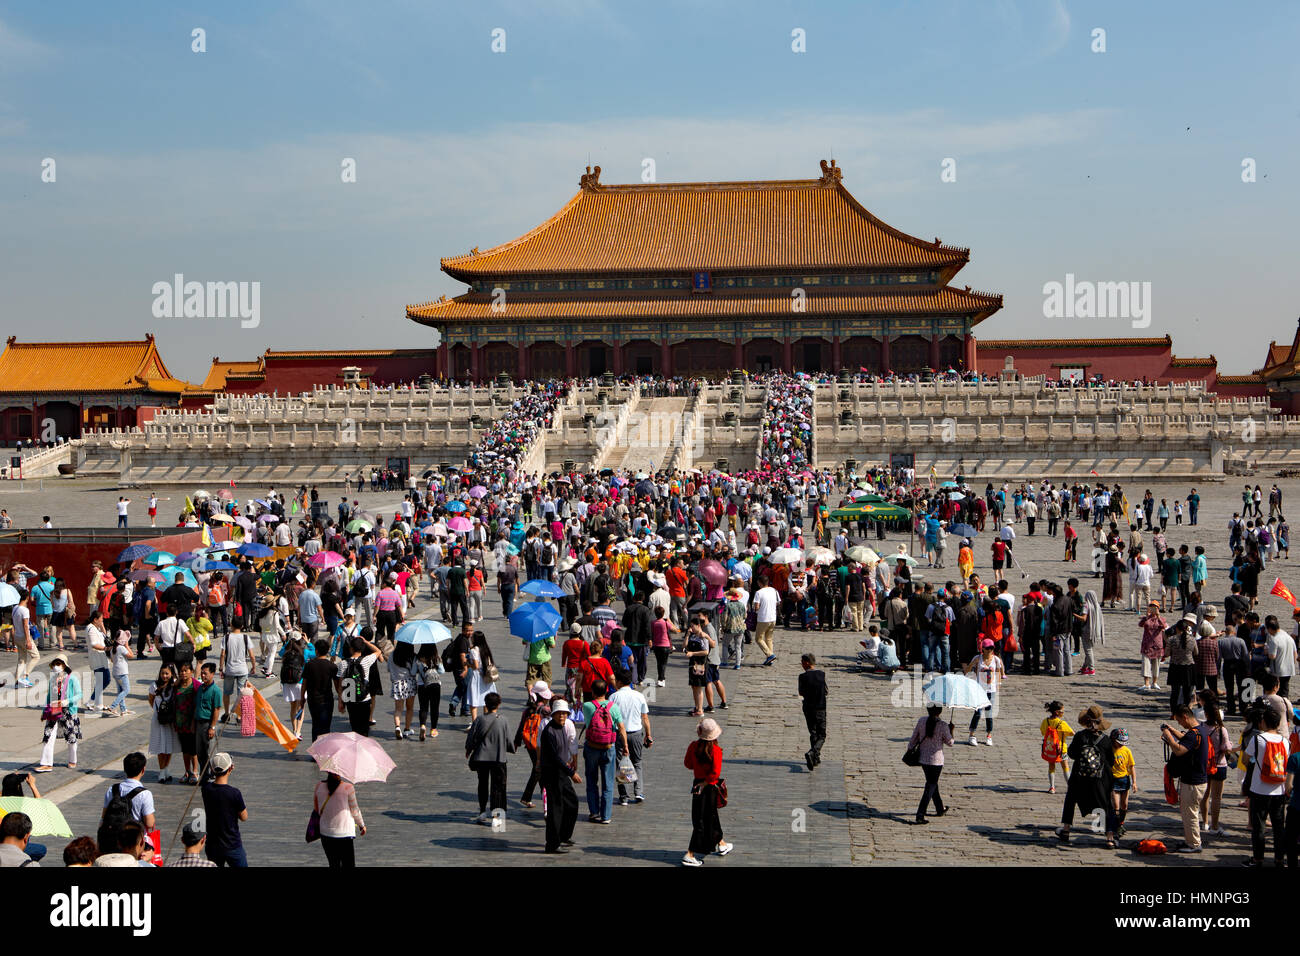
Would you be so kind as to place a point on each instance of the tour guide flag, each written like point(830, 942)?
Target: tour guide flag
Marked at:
point(1282, 591)
point(206, 537)
point(270, 725)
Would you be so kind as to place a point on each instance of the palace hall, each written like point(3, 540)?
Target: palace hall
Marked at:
point(699, 278)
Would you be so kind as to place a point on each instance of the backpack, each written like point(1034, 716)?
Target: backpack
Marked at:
point(532, 727)
point(1089, 762)
point(291, 664)
point(117, 814)
point(733, 620)
point(548, 554)
point(167, 709)
point(600, 731)
point(214, 595)
point(355, 679)
point(1052, 749)
point(360, 587)
point(938, 620)
point(137, 604)
point(1272, 765)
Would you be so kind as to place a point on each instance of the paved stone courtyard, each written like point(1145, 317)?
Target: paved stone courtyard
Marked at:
point(855, 809)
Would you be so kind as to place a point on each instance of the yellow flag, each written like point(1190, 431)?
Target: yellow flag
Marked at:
point(189, 505)
point(206, 537)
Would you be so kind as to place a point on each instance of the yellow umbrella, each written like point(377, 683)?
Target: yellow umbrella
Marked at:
point(47, 818)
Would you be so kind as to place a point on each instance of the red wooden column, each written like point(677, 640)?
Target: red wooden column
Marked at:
point(523, 362)
point(835, 354)
point(618, 357)
point(738, 354)
point(570, 361)
point(971, 359)
point(934, 352)
point(473, 361)
point(787, 355)
point(665, 359)
point(885, 367)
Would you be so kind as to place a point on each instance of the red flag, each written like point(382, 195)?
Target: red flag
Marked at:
point(1282, 591)
point(1090, 472)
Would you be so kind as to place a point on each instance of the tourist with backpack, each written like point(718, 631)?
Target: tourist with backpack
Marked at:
point(1268, 755)
point(126, 801)
point(1092, 777)
point(352, 683)
point(603, 727)
point(734, 613)
point(293, 662)
point(1191, 756)
point(533, 720)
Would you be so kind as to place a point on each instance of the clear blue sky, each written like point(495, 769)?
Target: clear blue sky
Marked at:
point(1123, 165)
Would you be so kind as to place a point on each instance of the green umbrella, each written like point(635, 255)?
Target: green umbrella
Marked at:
point(357, 525)
point(47, 818)
point(882, 511)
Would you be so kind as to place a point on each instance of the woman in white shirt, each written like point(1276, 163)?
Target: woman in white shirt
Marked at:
point(340, 820)
point(989, 674)
point(97, 649)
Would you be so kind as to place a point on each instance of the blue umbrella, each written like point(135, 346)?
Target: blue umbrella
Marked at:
point(159, 558)
point(422, 632)
point(255, 550)
point(540, 587)
point(218, 566)
point(535, 621)
point(134, 553)
point(454, 506)
point(949, 484)
point(964, 530)
point(955, 690)
point(186, 557)
point(169, 575)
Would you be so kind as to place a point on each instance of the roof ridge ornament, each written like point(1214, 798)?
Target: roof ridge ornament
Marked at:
point(590, 179)
point(831, 174)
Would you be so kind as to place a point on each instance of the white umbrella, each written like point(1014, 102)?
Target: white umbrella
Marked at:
point(785, 556)
point(820, 555)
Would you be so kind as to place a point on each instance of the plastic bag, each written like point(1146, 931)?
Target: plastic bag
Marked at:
point(626, 772)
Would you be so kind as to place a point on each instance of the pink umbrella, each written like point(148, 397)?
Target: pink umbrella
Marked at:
point(713, 572)
point(355, 758)
point(478, 491)
point(325, 559)
point(244, 523)
point(459, 524)
point(225, 493)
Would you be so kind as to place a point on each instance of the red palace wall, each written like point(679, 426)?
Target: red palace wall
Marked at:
point(290, 376)
point(1120, 363)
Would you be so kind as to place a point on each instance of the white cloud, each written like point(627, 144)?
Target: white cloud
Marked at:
point(18, 51)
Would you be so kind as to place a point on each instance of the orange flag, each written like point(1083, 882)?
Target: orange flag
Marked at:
point(1282, 591)
point(270, 725)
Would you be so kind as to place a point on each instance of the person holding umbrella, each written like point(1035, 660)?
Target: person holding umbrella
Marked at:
point(335, 803)
point(929, 737)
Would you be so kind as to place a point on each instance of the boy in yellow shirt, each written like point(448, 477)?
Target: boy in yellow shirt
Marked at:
point(1056, 733)
point(1125, 774)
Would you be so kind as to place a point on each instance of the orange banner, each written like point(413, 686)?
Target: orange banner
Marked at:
point(269, 724)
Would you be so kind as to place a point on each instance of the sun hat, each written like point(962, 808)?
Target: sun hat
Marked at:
point(560, 707)
point(542, 690)
point(708, 729)
point(986, 643)
point(59, 659)
point(1093, 717)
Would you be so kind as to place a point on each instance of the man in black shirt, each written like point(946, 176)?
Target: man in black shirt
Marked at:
point(812, 688)
point(636, 631)
point(318, 688)
point(555, 771)
point(245, 591)
point(180, 597)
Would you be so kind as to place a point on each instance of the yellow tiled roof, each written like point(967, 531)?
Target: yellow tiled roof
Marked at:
point(530, 307)
point(220, 371)
point(655, 228)
point(132, 366)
